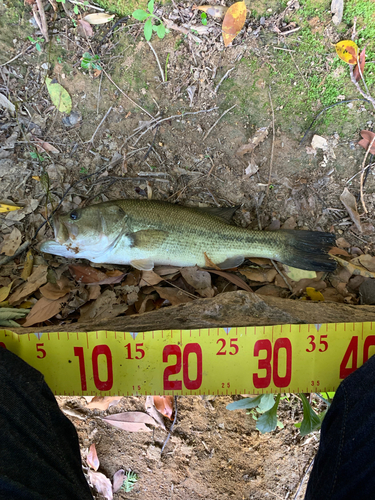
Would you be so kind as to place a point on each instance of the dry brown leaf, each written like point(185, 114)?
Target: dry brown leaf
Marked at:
point(236, 280)
point(261, 261)
point(118, 479)
point(27, 265)
point(175, 296)
point(86, 27)
point(131, 421)
point(101, 483)
point(234, 21)
point(270, 290)
point(259, 275)
point(92, 458)
point(166, 270)
point(289, 223)
point(43, 146)
point(216, 11)
point(99, 18)
point(353, 269)
point(342, 243)
point(332, 295)
point(150, 278)
point(254, 141)
point(164, 405)
point(208, 262)
point(366, 260)
point(105, 306)
point(198, 279)
point(300, 286)
point(34, 281)
point(338, 251)
point(44, 309)
point(153, 412)
point(54, 291)
point(88, 275)
point(368, 136)
point(94, 292)
point(104, 402)
point(11, 242)
point(349, 202)
point(362, 60)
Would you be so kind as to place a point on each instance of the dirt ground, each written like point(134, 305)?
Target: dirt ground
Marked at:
point(276, 81)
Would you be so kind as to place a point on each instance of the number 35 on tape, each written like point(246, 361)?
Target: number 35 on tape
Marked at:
point(244, 360)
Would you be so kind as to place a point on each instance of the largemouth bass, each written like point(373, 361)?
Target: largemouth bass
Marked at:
point(146, 233)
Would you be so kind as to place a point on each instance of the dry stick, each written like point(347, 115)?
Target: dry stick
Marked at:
point(224, 77)
point(21, 249)
point(16, 57)
point(303, 479)
point(91, 141)
point(363, 173)
point(173, 424)
point(281, 274)
point(100, 85)
point(273, 142)
point(125, 95)
point(43, 19)
point(217, 121)
point(157, 60)
point(85, 5)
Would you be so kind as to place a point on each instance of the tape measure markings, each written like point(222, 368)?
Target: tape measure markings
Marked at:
point(268, 359)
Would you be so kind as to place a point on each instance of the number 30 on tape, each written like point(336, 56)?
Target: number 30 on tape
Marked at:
point(244, 360)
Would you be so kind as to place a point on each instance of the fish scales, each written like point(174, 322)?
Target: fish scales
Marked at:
point(146, 233)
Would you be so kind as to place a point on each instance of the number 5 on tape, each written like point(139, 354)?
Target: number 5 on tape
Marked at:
point(255, 360)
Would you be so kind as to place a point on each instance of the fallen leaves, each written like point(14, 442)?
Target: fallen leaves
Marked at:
point(234, 21)
point(349, 202)
point(59, 96)
point(11, 242)
point(5, 208)
point(90, 275)
point(259, 136)
point(103, 402)
point(216, 11)
point(34, 282)
point(367, 138)
point(99, 18)
point(131, 421)
point(164, 405)
point(347, 50)
point(44, 309)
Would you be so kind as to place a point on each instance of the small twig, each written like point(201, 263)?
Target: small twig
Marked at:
point(273, 141)
point(355, 175)
point(281, 274)
point(281, 48)
point(173, 424)
point(91, 141)
point(125, 95)
point(86, 5)
point(17, 56)
point(283, 33)
point(224, 77)
point(303, 479)
point(157, 60)
point(21, 249)
point(43, 20)
point(363, 173)
point(217, 121)
point(151, 145)
point(100, 85)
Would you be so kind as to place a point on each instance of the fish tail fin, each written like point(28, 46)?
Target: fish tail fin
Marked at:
point(308, 250)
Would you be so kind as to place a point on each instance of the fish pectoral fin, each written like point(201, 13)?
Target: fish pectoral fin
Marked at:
point(223, 213)
point(231, 262)
point(142, 264)
point(147, 239)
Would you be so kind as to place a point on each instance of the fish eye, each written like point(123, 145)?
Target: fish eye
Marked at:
point(74, 214)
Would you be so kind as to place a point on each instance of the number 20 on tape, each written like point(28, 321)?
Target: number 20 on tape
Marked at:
point(256, 360)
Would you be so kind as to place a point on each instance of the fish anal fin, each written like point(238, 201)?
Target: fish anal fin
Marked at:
point(142, 264)
point(231, 262)
point(147, 239)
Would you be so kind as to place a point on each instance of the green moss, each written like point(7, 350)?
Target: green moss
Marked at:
point(122, 7)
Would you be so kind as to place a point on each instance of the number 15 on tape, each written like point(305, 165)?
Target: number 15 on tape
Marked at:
point(255, 360)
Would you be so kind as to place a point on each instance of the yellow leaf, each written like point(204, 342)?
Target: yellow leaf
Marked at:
point(4, 207)
point(233, 22)
point(4, 292)
point(59, 96)
point(36, 177)
point(347, 51)
point(28, 265)
point(296, 274)
point(314, 294)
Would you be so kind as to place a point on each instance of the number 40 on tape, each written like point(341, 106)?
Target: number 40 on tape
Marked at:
point(243, 360)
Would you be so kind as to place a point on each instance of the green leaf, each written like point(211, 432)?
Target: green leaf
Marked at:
point(76, 9)
point(204, 18)
point(245, 404)
point(140, 15)
point(38, 47)
point(59, 96)
point(154, 27)
point(266, 403)
point(161, 31)
point(150, 6)
point(268, 421)
point(148, 29)
point(311, 421)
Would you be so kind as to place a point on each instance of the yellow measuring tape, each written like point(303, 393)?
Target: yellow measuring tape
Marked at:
point(244, 360)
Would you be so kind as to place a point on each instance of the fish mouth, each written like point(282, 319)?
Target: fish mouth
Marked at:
point(60, 231)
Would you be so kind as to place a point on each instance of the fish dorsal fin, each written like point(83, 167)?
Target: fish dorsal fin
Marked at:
point(142, 264)
point(223, 213)
point(147, 239)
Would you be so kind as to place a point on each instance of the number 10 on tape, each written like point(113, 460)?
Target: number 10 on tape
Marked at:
point(255, 360)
